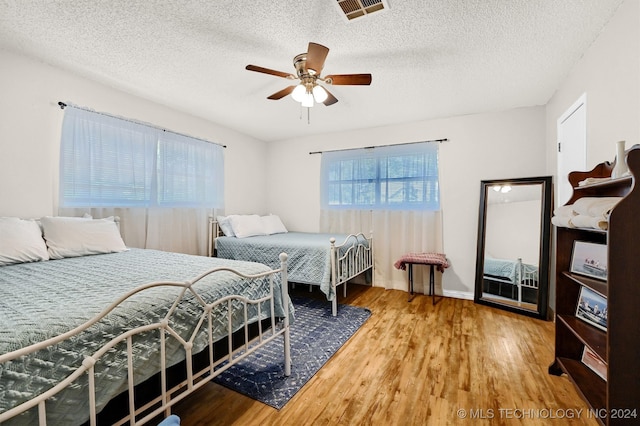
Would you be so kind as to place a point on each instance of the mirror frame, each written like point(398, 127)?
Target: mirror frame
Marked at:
point(545, 245)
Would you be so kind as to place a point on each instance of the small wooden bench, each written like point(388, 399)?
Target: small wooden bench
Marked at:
point(434, 260)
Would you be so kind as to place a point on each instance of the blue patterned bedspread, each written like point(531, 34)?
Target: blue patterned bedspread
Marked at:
point(502, 268)
point(41, 300)
point(509, 269)
point(309, 254)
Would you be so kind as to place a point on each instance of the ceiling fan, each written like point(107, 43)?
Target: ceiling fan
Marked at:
point(308, 70)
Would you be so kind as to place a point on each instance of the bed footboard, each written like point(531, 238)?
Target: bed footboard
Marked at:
point(168, 395)
point(521, 285)
point(349, 259)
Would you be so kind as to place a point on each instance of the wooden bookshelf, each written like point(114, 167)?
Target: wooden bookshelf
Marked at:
point(618, 397)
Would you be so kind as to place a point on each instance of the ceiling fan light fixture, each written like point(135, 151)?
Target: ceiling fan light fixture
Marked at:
point(502, 188)
point(307, 100)
point(299, 93)
point(308, 67)
point(319, 94)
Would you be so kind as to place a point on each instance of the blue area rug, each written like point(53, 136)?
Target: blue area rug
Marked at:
point(315, 336)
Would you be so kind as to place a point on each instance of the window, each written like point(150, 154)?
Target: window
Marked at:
point(107, 161)
point(400, 177)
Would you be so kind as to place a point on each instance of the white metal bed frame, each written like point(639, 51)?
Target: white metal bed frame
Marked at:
point(139, 415)
point(358, 258)
point(524, 278)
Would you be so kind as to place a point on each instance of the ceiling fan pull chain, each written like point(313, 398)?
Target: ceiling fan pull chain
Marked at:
point(308, 113)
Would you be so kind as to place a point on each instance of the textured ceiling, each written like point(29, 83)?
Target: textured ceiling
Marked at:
point(428, 58)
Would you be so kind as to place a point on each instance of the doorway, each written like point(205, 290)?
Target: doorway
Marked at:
point(572, 147)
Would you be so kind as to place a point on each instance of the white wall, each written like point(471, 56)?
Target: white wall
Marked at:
point(497, 145)
point(513, 231)
point(609, 73)
point(30, 123)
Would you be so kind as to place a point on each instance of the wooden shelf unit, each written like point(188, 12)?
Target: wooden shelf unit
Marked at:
point(617, 399)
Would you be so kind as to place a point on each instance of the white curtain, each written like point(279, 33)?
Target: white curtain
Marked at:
point(162, 185)
point(392, 191)
point(395, 233)
point(180, 230)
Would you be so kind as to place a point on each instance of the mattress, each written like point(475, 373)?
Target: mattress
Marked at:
point(309, 254)
point(41, 300)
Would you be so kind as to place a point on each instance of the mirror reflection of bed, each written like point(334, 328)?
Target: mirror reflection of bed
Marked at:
point(510, 244)
point(505, 289)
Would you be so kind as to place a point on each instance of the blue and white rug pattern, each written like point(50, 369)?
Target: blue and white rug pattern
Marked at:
point(315, 336)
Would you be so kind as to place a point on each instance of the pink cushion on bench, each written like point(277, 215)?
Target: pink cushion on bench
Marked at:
point(438, 259)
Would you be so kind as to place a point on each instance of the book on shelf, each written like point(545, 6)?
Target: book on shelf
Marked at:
point(591, 360)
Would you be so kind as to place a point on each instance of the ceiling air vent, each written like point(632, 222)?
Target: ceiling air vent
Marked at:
point(353, 9)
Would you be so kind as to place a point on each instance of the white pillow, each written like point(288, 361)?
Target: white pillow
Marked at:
point(273, 225)
point(77, 236)
point(21, 241)
point(247, 225)
point(224, 222)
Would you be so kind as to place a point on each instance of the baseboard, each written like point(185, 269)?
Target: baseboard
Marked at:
point(458, 294)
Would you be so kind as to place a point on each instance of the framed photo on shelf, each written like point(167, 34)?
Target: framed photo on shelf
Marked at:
point(589, 259)
point(592, 308)
point(591, 360)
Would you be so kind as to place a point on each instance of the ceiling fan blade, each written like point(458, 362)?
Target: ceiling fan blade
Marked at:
point(348, 79)
point(282, 93)
point(270, 71)
point(330, 99)
point(316, 55)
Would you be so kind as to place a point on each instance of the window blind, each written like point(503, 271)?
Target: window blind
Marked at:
point(108, 161)
point(393, 177)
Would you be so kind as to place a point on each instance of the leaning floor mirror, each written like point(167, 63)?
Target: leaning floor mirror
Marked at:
point(514, 227)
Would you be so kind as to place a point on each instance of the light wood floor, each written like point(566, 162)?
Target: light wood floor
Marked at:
point(413, 363)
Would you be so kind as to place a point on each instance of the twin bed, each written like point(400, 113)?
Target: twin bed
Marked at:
point(322, 259)
point(77, 332)
point(512, 279)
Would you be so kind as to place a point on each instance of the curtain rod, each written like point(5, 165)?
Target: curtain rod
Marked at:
point(380, 146)
point(63, 105)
